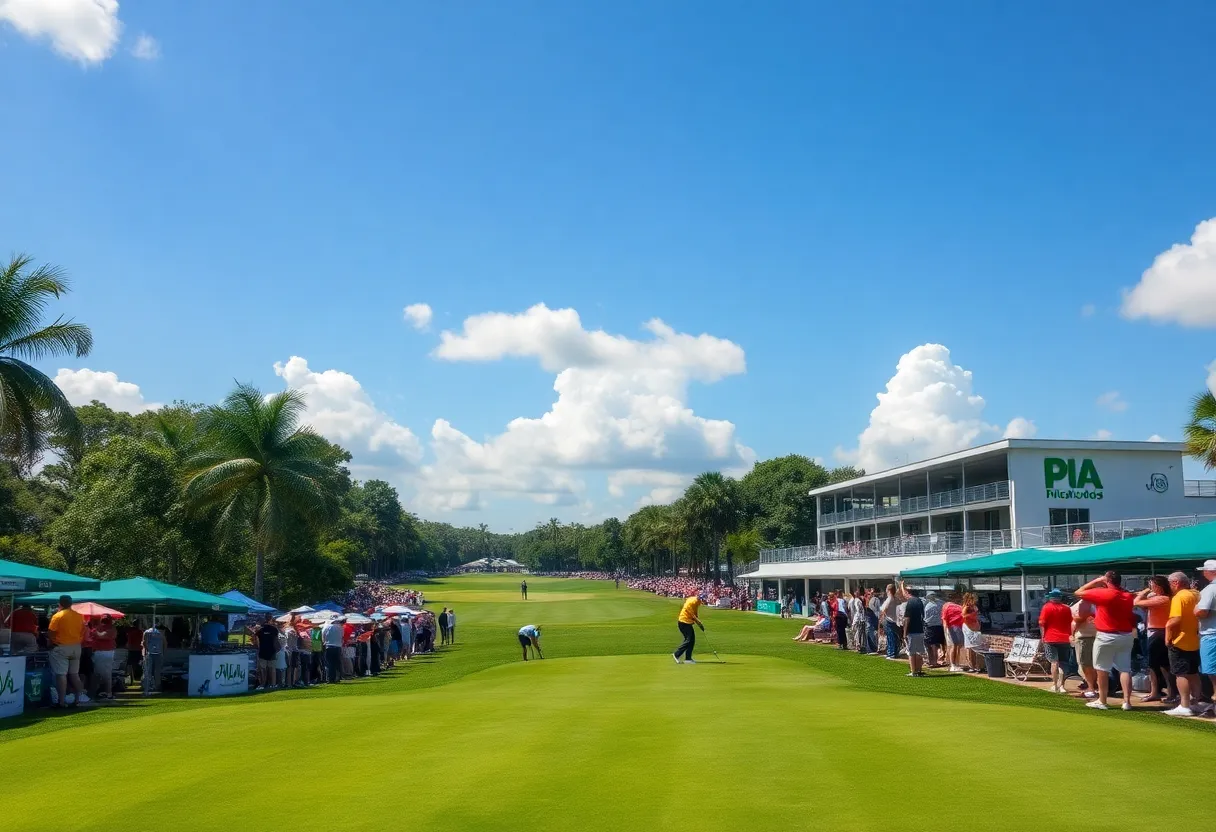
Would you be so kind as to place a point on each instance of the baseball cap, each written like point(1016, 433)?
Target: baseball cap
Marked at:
point(1209, 566)
point(1054, 593)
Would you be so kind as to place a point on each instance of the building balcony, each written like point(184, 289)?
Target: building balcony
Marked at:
point(958, 497)
point(974, 543)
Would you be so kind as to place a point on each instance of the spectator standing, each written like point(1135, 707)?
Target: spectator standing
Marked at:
point(443, 626)
point(348, 650)
point(523, 589)
point(952, 618)
point(914, 631)
point(452, 626)
point(316, 655)
point(840, 617)
point(1182, 635)
point(23, 624)
point(857, 621)
point(134, 639)
point(104, 640)
point(973, 640)
point(889, 610)
point(67, 632)
point(1154, 600)
point(1055, 623)
point(213, 633)
point(332, 636)
point(153, 645)
point(1115, 621)
point(292, 650)
point(935, 631)
point(1205, 611)
point(267, 637)
point(1083, 634)
point(873, 611)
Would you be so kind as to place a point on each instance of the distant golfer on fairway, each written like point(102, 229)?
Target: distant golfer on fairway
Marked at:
point(523, 589)
point(530, 636)
point(688, 617)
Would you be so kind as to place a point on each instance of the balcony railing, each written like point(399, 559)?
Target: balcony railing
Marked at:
point(985, 493)
point(1199, 488)
point(1084, 534)
point(912, 544)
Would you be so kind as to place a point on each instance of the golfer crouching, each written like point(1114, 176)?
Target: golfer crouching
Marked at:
point(529, 636)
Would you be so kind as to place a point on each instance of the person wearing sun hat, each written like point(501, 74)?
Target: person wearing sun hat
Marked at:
point(1055, 623)
point(1206, 611)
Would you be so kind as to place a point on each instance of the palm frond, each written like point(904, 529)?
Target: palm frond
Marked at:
point(60, 338)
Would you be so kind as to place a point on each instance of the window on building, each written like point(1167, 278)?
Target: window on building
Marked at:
point(1069, 525)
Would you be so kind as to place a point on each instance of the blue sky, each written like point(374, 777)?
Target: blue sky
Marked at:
point(827, 187)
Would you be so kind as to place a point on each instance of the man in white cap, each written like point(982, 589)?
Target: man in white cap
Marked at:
point(1206, 611)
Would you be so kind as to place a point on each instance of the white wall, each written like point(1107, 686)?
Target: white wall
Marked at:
point(1126, 495)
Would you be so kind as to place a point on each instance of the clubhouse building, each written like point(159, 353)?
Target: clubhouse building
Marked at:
point(1011, 494)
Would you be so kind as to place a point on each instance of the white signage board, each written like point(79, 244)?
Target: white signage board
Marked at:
point(12, 686)
point(1023, 650)
point(218, 674)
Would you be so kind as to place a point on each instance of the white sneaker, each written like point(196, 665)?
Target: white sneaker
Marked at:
point(259, 688)
point(1180, 711)
point(677, 658)
point(1127, 706)
point(83, 699)
point(1097, 706)
point(689, 661)
point(955, 669)
point(1089, 694)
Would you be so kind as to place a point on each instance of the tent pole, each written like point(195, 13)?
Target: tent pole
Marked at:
point(1025, 605)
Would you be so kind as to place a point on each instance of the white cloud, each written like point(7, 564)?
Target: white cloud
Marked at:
point(621, 406)
point(1156, 437)
point(1211, 381)
point(418, 315)
point(1020, 428)
point(1102, 434)
point(83, 30)
point(85, 386)
point(146, 48)
point(1180, 286)
point(1088, 310)
point(928, 409)
point(341, 410)
point(1112, 401)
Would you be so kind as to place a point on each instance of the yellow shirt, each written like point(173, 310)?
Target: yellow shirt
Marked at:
point(688, 613)
point(1182, 605)
point(67, 627)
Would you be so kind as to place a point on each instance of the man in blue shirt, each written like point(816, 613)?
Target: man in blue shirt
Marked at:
point(213, 633)
point(529, 635)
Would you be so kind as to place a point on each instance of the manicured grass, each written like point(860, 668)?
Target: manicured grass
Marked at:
point(606, 734)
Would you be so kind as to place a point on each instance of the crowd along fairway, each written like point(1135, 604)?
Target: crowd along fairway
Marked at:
point(609, 734)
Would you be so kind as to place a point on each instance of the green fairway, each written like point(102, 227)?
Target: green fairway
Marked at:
point(605, 734)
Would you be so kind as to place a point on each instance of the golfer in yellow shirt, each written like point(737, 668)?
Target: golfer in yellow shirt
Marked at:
point(688, 617)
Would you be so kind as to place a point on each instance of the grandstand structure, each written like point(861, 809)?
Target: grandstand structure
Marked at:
point(1010, 494)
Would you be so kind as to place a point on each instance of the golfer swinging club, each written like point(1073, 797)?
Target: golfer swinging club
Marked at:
point(688, 617)
point(530, 635)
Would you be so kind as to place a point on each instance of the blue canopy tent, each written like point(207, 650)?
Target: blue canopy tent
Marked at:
point(237, 620)
point(327, 606)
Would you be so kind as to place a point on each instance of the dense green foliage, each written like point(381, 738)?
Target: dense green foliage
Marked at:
point(607, 733)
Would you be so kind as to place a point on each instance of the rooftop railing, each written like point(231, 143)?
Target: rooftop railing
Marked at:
point(1199, 488)
point(1085, 534)
point(986, 493)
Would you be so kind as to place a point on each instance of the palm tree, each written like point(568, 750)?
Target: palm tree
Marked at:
point(32, 405)
point(1200, 432)
point(671, 527)
point(262, 470)
point(714, 501)
point(743, 545)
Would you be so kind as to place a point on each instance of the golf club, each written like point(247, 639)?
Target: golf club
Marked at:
point(705, 633)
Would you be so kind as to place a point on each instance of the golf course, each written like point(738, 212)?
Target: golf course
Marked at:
point(606, 733)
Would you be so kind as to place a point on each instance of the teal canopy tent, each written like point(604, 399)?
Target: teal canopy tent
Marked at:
point(22, 579)
point(144, 595)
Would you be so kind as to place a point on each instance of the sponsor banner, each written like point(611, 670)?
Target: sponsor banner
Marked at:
point(220, 674)
point(12, 686)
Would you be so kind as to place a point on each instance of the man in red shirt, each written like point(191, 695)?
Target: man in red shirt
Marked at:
point(24, 625)
point(1115, 621)
point(1055, 623)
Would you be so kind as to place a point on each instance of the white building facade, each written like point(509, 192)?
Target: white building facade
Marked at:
point(1015, 493)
